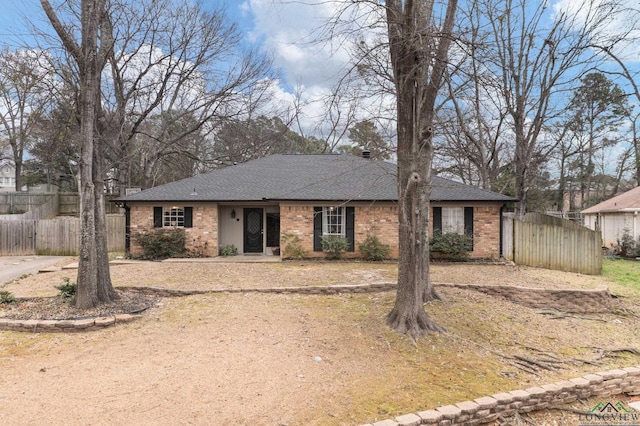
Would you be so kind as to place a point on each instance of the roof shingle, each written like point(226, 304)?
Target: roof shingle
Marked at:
point(326, 177)
point(629, 201)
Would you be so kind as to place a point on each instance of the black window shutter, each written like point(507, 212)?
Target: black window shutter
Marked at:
point(468, 224)
point(317, 229)
point(437, 220)
point(350, 230)
point(157, 217)
point(188, 217)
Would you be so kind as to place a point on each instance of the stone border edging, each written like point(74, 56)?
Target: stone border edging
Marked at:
point(568, 300)
point(67, 325)
point(490, 408)
point(571, 301)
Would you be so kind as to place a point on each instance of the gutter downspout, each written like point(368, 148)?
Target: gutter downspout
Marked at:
point(501, 254)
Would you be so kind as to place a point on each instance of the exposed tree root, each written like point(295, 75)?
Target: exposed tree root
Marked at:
point(430, 295)
point(560, 315)
point(570, 410)
point(414, 325)
point(516, 420)
point(545, 364)
point(613, 353)
point(548, 360)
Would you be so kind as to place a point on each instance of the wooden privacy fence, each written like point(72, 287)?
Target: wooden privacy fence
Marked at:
point(55, 237)
point(17, 238)
point(563, 246)
point(46, 210)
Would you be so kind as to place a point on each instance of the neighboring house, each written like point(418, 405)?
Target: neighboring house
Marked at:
point(614, 216)
point(8, 181)
point(254, 204)
point(7, 178)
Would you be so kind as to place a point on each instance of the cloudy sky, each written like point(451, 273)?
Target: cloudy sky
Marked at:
point(288, 30)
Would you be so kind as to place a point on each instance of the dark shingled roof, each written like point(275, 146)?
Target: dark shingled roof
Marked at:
point(328, 177)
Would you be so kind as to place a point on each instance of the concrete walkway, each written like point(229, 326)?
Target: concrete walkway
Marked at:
point(241, 258)
point(13, 267)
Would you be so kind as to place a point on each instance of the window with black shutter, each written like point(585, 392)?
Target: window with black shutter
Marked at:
point(457, 220)
point(173, 217)
point(333, 220)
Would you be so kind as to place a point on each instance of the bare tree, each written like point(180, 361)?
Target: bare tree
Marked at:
point(418, 47)
point(474, 145)
point(90, 53)
point(406, 61)
point(25, 94)
point(631, 77)
point(535, 58)
point(166, 63)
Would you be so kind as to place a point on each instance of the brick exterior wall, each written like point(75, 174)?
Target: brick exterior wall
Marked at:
point(381, 219)
point(201, 238)
point(486, 232)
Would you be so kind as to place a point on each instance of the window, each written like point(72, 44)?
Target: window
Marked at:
point(173, 217)
point(333, 222)
point(453, 220)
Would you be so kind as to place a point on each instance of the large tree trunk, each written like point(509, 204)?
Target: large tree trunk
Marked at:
point(18, 169)
point(94, 282)
point(418, 58)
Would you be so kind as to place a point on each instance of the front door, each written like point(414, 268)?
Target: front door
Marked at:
point(253, 231)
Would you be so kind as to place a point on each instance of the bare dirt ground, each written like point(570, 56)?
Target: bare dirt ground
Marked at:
point(265, 359)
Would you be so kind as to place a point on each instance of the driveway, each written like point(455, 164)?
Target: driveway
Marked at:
point(12, 267)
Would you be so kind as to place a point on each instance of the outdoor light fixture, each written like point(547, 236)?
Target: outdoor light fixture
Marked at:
point(233, 214)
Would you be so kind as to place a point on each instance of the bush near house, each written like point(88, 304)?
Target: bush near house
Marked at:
point(162, 244)
point(293, 247)
point(334, 246)
point(450, 245)
point(228, 250)
point(373, 249)
point(626, 245)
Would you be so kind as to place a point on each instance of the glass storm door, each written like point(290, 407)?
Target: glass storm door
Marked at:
point(253, 231)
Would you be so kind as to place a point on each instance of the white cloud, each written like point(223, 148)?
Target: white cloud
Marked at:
point(619, 27)
point(311, 49)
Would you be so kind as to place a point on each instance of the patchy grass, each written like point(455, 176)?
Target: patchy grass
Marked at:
point(262, 348)
point(624, 273)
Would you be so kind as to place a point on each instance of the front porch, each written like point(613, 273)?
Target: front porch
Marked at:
point(252, 229)
point(241, 258)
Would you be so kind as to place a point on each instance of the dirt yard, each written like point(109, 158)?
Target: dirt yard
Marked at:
point(265, 359)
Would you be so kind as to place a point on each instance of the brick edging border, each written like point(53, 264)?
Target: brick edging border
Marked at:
point(490, 408)
point(583, 301)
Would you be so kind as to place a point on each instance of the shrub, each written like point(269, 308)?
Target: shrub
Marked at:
point(373, 249)
point(6, 297)
point(454, 245)
point(163, 244)
point(334, 246)
point(626, 244)
point(293, 247)
point(198, 250)
point(228, 250)
point(67, 289)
